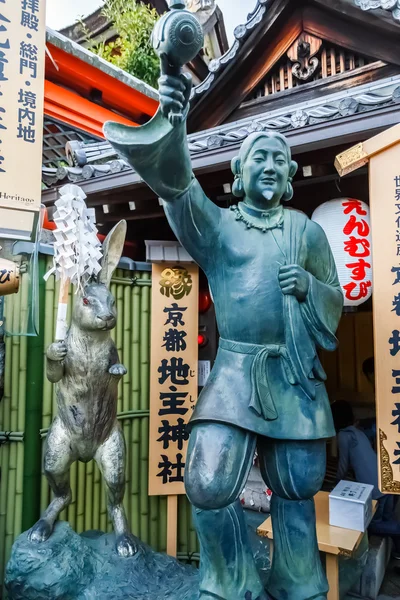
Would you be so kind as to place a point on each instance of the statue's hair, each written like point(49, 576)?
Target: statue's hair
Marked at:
point(239, 161)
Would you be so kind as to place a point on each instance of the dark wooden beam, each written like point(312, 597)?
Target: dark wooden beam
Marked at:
point(316, 89)
point(131, 216)
point(366, 40)
point(379, 19)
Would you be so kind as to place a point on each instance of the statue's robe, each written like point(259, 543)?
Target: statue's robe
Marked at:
point(267, 377)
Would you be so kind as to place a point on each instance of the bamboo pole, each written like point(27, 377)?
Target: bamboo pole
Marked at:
point(15, 385)
point(183, 538)
point(154, 521)
point(5, 450)
point(96, 496)
point(135, 404)
point(47, 410)
point(144, 465)
point(103, 504)
point(120, 334)
point(144, 405)
point(33, 420)
point(80, 520)
point(89, 496)
point(126, 385)
point(21, 400)
point(72, 508)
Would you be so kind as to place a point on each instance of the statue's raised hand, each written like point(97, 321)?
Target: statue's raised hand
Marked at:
point(57, 351)
point(174, 89)
point(294, 280)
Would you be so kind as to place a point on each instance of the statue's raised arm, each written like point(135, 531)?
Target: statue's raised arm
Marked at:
point(158, 151)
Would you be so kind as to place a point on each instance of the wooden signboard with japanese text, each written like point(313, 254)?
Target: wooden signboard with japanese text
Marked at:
point(173, 379)
point(382, 152)
point(22, 58)
point(385, 220)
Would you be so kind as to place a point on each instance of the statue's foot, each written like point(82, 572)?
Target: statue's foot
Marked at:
point(40, 532)
point(126, 545)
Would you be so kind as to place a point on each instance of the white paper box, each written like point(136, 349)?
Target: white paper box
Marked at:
point(350, 505)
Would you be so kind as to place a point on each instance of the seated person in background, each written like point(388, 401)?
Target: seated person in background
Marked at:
point(356, 453)
point(369, 425)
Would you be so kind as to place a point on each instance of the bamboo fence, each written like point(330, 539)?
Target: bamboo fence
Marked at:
point(24, 492)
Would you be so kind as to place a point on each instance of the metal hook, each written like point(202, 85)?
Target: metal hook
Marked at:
point(337, 180)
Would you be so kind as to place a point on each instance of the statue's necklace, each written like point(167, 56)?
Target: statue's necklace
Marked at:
point(258, 219)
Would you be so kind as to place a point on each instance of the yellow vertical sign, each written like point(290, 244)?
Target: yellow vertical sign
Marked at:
point(173, 382)
point(22, 58)
point(385, 221)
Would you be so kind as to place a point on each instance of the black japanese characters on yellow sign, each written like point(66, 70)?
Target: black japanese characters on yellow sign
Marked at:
point(174, 356)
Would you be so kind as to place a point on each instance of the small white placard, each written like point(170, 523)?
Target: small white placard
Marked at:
point(204, 372)
point(350, 505)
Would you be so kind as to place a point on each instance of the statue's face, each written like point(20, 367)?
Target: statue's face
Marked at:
point(265, 173)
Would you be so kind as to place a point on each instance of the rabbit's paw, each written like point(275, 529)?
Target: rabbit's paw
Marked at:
point(40, 532)
point(57, 351)
point(117, 371)
point(126, 545)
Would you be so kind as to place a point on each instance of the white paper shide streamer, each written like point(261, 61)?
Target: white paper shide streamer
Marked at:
point(77, 250)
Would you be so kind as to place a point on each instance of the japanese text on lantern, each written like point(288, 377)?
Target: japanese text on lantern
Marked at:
point(22, 57)
point(174, 358)
point(358, 248)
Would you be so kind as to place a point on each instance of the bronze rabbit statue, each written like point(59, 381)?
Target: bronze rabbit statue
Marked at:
point(87, 371)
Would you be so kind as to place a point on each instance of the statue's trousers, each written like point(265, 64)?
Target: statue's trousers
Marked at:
point(219, 460)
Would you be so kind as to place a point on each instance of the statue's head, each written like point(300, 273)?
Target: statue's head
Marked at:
point(264, 170)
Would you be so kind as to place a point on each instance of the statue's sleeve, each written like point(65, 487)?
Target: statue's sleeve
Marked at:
point(323, 306)
point(159, 153)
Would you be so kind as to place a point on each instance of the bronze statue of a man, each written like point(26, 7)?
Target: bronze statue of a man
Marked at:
point(277, 297)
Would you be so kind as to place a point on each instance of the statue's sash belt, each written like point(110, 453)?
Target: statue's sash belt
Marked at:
point(262, 401)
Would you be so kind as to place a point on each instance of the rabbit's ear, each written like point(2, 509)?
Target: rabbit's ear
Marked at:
point(112, 251)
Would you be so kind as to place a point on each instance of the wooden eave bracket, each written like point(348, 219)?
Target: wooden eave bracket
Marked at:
point(359, 155)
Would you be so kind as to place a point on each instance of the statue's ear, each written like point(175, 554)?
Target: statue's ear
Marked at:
point(236, 166)
point(293, 168)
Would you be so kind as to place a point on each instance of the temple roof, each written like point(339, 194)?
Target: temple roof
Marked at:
point(74, 49)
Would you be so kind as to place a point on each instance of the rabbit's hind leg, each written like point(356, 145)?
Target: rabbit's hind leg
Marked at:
point(110, 457)
point(58, 458)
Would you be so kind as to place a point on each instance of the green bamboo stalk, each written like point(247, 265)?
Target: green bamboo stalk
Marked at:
point(96, 496)
point(55, 310)
point(120, 334)
point(47, 410)
point(89, 496)
point(144, 466)
point(145, 346)
point(144, 405)
point(5, 450)
point(80, 523)
point(154, 521)
point(23, 349)
point(183, 541)
point(33, 421)
point(135, 478)
point(135, 403)
point(103, 508)
point(15, 383)
point(72, 508)
point(127, 330)
point(127, 429)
